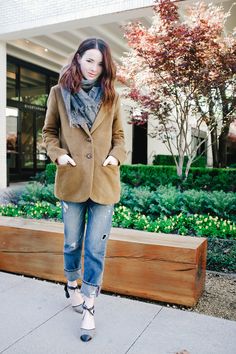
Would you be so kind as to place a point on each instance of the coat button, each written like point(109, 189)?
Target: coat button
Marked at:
point(89, 140)
point(89, 156)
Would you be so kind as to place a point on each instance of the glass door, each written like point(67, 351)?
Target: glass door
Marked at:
point(41, 156)
point(12, 128)
point(26, 152)
point(27, 142)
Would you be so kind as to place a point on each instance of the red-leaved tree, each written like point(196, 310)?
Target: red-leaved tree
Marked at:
point(180, 73)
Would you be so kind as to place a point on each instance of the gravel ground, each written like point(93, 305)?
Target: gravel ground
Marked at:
point(219, 297)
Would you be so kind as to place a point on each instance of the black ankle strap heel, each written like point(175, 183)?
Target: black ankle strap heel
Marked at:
point(89, 309)
point(66, 287)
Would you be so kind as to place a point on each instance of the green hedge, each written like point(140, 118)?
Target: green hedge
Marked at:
point(50, 173)
point(199, 178)
point(153, 176)
point(166, 160)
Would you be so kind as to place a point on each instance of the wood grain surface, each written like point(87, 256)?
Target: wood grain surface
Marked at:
point(168, 268)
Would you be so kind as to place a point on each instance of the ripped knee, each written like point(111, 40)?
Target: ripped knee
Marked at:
point(71, 246)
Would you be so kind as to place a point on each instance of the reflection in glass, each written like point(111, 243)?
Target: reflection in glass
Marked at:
point(41, 156)
point(53, 81)
point(11, 81)
point(27, 140)
point(32, 87)
point(11, 133)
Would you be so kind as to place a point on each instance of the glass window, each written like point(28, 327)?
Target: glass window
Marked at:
point(53, 81)
point(41, 155)
point(11, 130)
point(11, 81)
point(27, 140)
point(32, 87)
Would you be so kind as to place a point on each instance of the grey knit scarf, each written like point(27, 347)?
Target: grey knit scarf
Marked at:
point(83, 106)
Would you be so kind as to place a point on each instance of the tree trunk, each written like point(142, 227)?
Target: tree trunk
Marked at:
point(225, 128)
point(223, 148)
point(214, 147)
point(179, 166)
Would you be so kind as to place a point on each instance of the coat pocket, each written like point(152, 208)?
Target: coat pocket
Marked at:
point(64, 176)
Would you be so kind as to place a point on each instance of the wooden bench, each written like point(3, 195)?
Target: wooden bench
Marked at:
point(168, 268)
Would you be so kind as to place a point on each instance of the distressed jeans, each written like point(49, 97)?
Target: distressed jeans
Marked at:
point(94, 238)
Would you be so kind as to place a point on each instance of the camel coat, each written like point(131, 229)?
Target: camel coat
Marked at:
point(89, 149)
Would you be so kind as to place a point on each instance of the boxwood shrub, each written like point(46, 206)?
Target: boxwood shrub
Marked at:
point(152, 176)
point(199, 178)
point(169, 160)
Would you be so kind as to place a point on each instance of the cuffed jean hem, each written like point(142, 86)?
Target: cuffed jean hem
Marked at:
point(90, 290)
point(72, 275)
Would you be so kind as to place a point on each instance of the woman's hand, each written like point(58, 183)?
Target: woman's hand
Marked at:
point(65, 159)
point(111, 160)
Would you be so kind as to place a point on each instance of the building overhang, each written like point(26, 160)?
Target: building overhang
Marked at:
point(49, 38)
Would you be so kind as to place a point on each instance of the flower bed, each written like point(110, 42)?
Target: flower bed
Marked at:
point(182, 224)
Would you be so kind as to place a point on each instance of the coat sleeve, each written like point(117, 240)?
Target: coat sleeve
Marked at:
point(51, 128)
point(118, 141)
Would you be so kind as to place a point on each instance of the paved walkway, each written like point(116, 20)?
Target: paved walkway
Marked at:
point(35, 318)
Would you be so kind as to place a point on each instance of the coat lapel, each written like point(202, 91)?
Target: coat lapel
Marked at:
point(100, 117)
point(66, 99)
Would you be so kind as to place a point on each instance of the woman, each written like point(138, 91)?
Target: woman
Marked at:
point(84, 137)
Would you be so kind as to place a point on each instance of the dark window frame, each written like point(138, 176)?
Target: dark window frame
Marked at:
point(22, 106)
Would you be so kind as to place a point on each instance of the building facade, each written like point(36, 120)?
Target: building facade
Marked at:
point(36, 38)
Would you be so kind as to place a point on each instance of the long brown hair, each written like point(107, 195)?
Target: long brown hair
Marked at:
point(71, 76)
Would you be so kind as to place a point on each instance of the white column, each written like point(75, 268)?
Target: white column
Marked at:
point(3, 73)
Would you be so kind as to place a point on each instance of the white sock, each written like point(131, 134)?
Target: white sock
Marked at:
point(72, 283)
point(88, 321)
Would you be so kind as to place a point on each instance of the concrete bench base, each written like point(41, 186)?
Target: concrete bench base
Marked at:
point(161, 267)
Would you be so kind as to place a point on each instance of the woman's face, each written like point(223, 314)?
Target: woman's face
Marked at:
point(91, 64)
